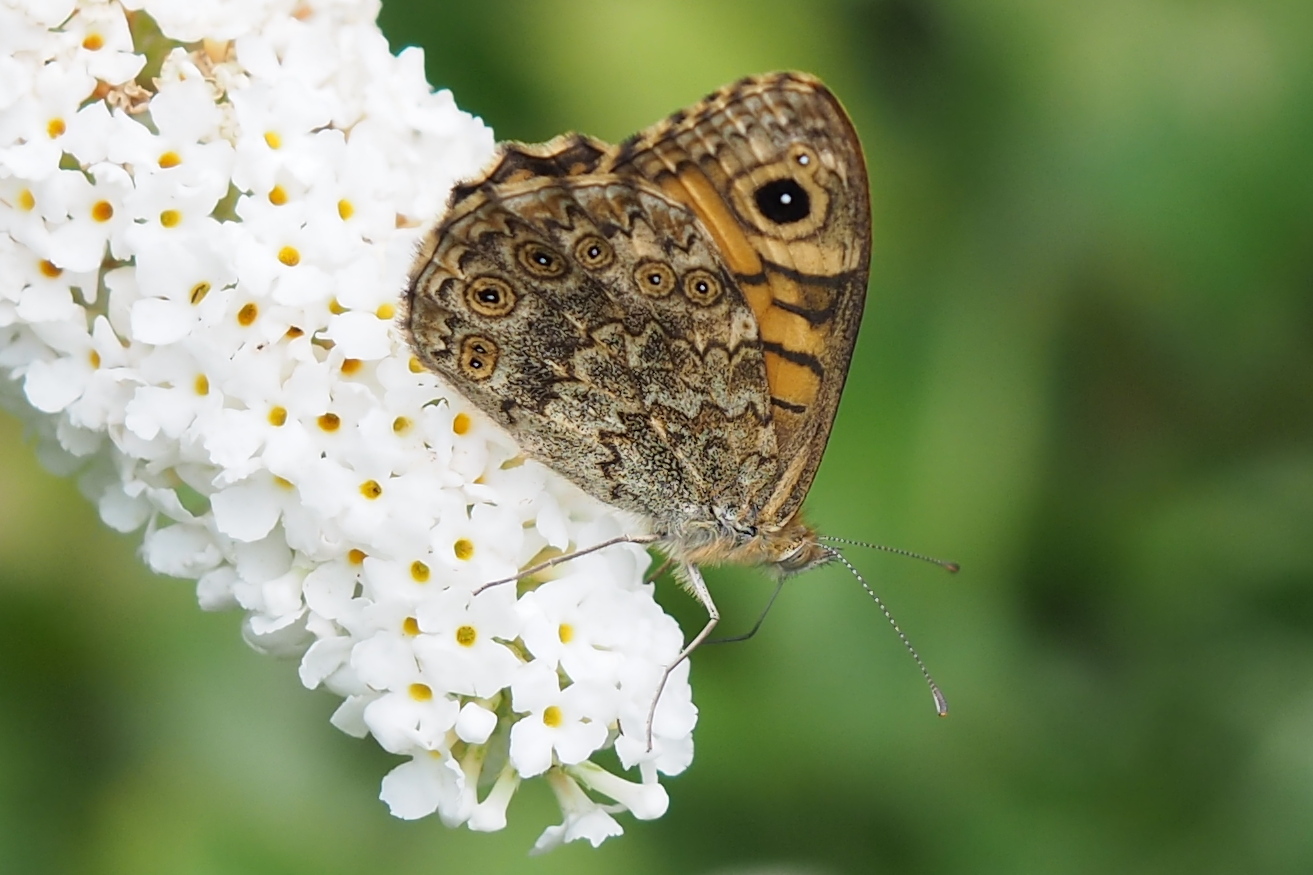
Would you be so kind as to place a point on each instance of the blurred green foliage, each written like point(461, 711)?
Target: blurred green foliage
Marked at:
point(1086, 373)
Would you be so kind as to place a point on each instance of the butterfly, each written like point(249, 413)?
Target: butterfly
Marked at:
point(667, 322)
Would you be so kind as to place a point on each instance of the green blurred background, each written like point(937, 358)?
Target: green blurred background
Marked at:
point(1086, 373)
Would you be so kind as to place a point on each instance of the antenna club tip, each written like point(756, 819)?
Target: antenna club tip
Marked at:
point(941, 704)
point(953, 567)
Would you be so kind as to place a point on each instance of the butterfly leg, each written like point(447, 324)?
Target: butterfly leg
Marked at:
point(693, 580)
point(732, 639)
point(566, 557)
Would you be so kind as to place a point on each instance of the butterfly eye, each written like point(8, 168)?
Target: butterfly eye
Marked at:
point(593, 252)
point(654, 279)
point(490, 296)
point(702, 287)
point(542, 261)
point(478, 357)
point(783, 201)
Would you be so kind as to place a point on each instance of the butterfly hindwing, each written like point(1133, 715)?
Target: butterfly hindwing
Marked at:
point(594, 319)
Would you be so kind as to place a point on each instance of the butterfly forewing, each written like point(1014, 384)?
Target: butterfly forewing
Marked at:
point(772, 168)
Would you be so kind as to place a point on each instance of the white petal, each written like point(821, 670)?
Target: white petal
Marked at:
point(181, 550)
point(324, 657)
point(531, 746)
point(52, 386)
point(122, 512)
point(159, 321)
point(413, 790)
point(247, 511)
point(361, 335)
point(475, 723)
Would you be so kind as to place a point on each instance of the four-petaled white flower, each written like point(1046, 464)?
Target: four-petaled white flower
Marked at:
point(568, 725)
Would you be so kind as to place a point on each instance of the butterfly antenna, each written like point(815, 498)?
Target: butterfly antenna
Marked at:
point(941, 704)
point(951, 567)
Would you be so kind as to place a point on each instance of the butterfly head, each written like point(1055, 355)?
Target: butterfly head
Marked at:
point(794, 548)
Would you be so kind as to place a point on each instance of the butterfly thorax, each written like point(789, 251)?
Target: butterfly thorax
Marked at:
point(786, 549)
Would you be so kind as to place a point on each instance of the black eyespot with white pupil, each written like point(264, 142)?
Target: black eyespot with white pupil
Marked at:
point(654, 279)
point(702, 287)
point(542, 261)
point(783, 201)
point(593, 252)
point(478, 357)
point(490, 296)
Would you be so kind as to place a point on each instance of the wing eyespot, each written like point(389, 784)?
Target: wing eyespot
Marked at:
point(478, 357)
point(490, 296)
point(541, 260)
point(702, 287)
point(655, 279)
point(783, 201)
point(593, 252)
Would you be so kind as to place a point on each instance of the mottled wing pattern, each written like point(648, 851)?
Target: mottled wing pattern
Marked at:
point(593, 317)
point(774, 171)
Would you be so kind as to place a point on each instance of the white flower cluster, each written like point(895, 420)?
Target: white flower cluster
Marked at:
point(207, 211)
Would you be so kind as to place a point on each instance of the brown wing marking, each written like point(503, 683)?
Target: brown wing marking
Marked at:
point(562, 156)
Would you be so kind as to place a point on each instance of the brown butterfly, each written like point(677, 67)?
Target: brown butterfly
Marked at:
point(668, 322)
